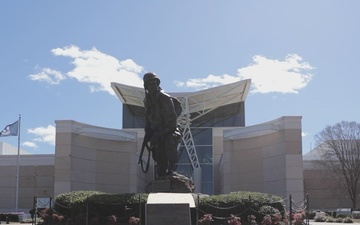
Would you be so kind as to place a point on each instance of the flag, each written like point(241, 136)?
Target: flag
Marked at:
point(10, 130)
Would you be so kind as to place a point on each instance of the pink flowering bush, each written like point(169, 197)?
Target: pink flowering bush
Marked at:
point(206, 219)
point(252, 219)
point(266, 220)
point(49, 217)
point(112, 219)
point(234, 220)
point(274, 219)
point(134, 220)
point(298, 218)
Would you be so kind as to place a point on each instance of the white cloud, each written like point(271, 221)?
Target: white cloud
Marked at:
point(95, 68)
point(304, 134)
point(267, 75)
point(48, 75)
point(99, 70)
point(209, 81)
point(30, 144)
point(44, 134)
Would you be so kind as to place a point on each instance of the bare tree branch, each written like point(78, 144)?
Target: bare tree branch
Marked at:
point(340, 153)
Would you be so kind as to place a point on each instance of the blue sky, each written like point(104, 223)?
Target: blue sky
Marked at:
point(59, 57)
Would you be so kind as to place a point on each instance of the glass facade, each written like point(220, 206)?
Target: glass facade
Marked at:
point(232, 115)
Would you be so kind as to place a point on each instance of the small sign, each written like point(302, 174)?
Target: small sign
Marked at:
point(43, 203)
point(171, 198)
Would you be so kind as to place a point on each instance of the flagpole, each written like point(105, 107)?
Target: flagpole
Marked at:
point(17, 168)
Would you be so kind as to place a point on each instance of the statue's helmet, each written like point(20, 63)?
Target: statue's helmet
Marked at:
point(150, 76)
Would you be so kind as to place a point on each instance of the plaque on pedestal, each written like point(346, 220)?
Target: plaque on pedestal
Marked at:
point(169, 208)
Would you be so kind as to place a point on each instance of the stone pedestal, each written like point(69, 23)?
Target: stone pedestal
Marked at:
point(160, 186)
point(165, 214)
point(169, 208)
point(174, 183)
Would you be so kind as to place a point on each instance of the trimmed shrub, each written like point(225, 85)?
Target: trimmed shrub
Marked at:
point(347, 220)
point(329, 219)
point(9, 217)
point(338, 220)
point(311, 215)
point(268, 210)
point(242, 204)
point(341, 216)
point(319, 219)
point(99, 205)
point(355, 215)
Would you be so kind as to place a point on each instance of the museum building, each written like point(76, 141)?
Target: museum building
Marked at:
point(218, 151)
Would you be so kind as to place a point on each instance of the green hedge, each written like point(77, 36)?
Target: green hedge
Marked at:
point(9, 217)
point(242, 204)
point(100, 205)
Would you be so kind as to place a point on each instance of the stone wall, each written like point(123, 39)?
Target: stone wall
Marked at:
point(95, 158)
point(325, 190)
point(264, 158)
point(36, 178)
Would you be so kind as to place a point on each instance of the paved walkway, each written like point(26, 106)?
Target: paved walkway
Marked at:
point(324, 223)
